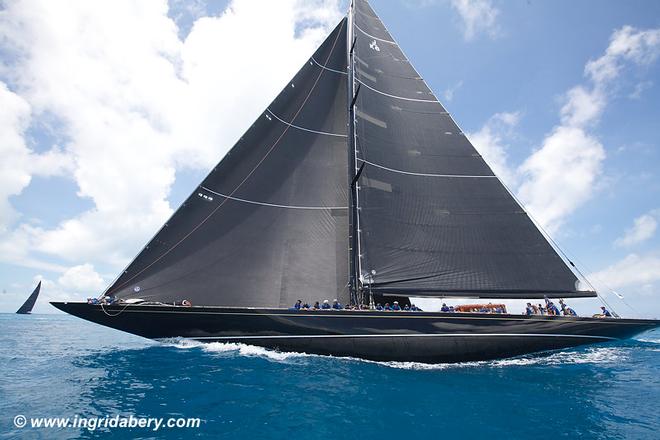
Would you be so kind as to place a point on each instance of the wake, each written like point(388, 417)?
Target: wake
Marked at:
point(592, 355)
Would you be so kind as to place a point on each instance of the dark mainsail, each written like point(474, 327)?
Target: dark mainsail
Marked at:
point(433, 217)
point(29, 303)
point(269, 224)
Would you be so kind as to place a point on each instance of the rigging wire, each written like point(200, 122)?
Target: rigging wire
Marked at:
point(559, 248)
point(602, 283)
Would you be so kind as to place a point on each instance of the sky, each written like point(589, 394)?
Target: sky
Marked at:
point(111, 113)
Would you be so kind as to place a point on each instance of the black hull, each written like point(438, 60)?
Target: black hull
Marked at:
point(382, 336)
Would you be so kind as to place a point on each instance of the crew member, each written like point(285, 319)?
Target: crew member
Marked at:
point(529, 310)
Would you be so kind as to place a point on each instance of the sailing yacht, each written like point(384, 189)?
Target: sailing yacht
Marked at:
point(27, 306)
point(355, 183)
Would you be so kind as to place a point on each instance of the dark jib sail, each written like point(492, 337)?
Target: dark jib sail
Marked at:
point(29, 303)
point(269, 224)
point(433, 218)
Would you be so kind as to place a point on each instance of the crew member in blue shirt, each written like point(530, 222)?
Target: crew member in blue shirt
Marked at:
point(552, 309)
point(337, 305)
point(298, 304)
point(444, 308)
point(396, 307)
point(605, 313)
point(529, 310)
point(387, 307)
point(326, 305)
point(379, 307)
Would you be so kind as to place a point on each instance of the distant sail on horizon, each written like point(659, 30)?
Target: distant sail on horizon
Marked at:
point(27, 306)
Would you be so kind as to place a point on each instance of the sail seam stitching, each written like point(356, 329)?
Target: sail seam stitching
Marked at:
point(372, 36)
point(423, 174)
point(303, 128)
point(395, 96)
point(274, 205)
point(327, 68)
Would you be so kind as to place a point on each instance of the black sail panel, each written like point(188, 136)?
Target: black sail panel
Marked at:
point(30, 302)
point(269, 223)
point(433, 218)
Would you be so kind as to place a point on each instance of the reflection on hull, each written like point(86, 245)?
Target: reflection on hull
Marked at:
point(381, 336)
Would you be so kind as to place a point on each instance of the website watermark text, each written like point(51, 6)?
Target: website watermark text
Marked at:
point(107, 422)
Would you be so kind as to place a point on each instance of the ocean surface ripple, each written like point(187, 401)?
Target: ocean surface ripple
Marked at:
point(59, 366)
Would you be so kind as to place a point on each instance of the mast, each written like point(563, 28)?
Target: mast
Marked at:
point(353, 171)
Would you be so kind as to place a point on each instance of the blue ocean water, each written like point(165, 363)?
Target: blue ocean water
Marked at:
point(60, 366)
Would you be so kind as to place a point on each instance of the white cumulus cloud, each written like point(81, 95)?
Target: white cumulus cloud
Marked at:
point(136, 104)
point(18, 162)
point(633, 270)
point(562, 174)
point(564, 171)
point(643, 228)
point(81, 278)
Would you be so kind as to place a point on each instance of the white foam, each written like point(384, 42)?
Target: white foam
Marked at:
point(237, 349)
point(181, 343)
point(649, 340)
point(596, 355)
point(424, 366)
point(600, 355)
point(592, 356)
point(252, 350)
